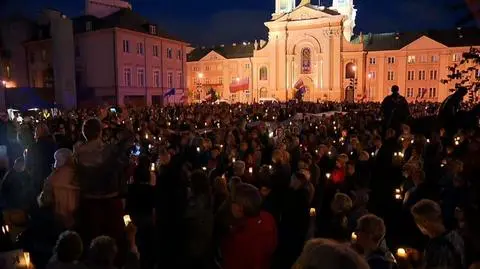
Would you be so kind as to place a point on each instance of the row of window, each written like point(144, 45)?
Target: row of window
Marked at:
point(218, 67)
point(263, 75)
point(155, 50)
point(157, 77)
point(411, 59)
point(422, 92)
point(422, 75)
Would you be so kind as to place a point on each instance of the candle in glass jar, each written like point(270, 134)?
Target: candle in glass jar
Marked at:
point(250, 170)
point(328, 175)
point(152, 167)
point(312, 212)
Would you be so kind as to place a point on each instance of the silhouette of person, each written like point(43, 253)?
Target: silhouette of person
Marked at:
point(448, 112)
point(394, 109)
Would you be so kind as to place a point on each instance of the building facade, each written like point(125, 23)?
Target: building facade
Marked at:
point(312, 48)
point(111, 55)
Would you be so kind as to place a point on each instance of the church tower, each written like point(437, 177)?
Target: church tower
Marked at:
point(284, 6)
point(346, 8)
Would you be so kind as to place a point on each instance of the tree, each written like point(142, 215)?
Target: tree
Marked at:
point(466, 73)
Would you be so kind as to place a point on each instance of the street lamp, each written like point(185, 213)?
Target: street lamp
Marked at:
point(237, 79)
point(200, 75)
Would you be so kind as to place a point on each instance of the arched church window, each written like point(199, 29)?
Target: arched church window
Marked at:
point(350, 70)
point(263, 73)
point(306, 61)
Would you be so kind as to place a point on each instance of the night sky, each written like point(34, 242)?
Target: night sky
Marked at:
point(209, 22)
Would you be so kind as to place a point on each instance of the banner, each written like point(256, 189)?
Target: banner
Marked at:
point(239, 85)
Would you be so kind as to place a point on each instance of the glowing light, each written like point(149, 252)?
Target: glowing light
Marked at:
point(250, 170)
point(204, 168)
point(328, 175)
point(313, 212)
point(200, 75)
point(152, 167)
point(402, 253)
point(354, 237)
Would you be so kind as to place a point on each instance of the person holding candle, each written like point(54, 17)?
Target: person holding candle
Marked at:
point(370, 233)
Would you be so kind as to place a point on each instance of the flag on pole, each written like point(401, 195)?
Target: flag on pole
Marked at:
point(170, 92)
point(239, 85)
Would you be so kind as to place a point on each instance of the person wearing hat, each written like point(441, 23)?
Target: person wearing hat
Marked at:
point(394, 109)
point(61, 191)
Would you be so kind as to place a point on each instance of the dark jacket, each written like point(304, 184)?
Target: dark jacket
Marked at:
point(39, 160)
point(395, 110)
point(100, 168)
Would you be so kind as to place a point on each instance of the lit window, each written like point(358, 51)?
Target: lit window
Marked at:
point(247, 66)
point(170, 80)
point(126, 46)
point(141, 77)
point(433, 74)
point(373, 60)
point(156, 79)
point(155, 50)
point(207, 81)
point(423, 58)
point(220, 80)
point(127, 76)
point(411, 59)
point(435, 58)
point(263, 73)
point(372, 75)
point(169, 53)
point(140, 49)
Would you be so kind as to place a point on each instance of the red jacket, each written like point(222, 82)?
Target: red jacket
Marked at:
point(251, 245)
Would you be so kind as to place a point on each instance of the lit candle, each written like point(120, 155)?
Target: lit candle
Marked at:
point(127, 220)
point(328, 175)
point(398, 196)
point(198, 149)
point(329, 153)
point(412, 141)
point(270, 167)
point(250, 170)
point(204, 168)
point(313, 212)
point(354, 237)
point(270, 134)
point(26, 257)
point(428, 141)
point(401, 253)
point(234, 160)
point(146, 136)
point(152, 167)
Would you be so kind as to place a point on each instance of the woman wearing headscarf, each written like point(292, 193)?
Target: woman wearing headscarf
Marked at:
point(61, 191)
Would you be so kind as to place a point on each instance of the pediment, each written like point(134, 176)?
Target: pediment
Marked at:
point(307, 12)
point(424, 43)
point(213, 56)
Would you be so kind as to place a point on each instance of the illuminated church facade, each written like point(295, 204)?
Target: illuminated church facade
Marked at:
point(313, 49)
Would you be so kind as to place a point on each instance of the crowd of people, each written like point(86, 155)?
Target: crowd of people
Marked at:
point(290, 185)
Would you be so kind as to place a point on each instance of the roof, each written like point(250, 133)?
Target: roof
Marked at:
point(124, 19)
point(460, 37)
point(323, 9)
point(228, 51)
